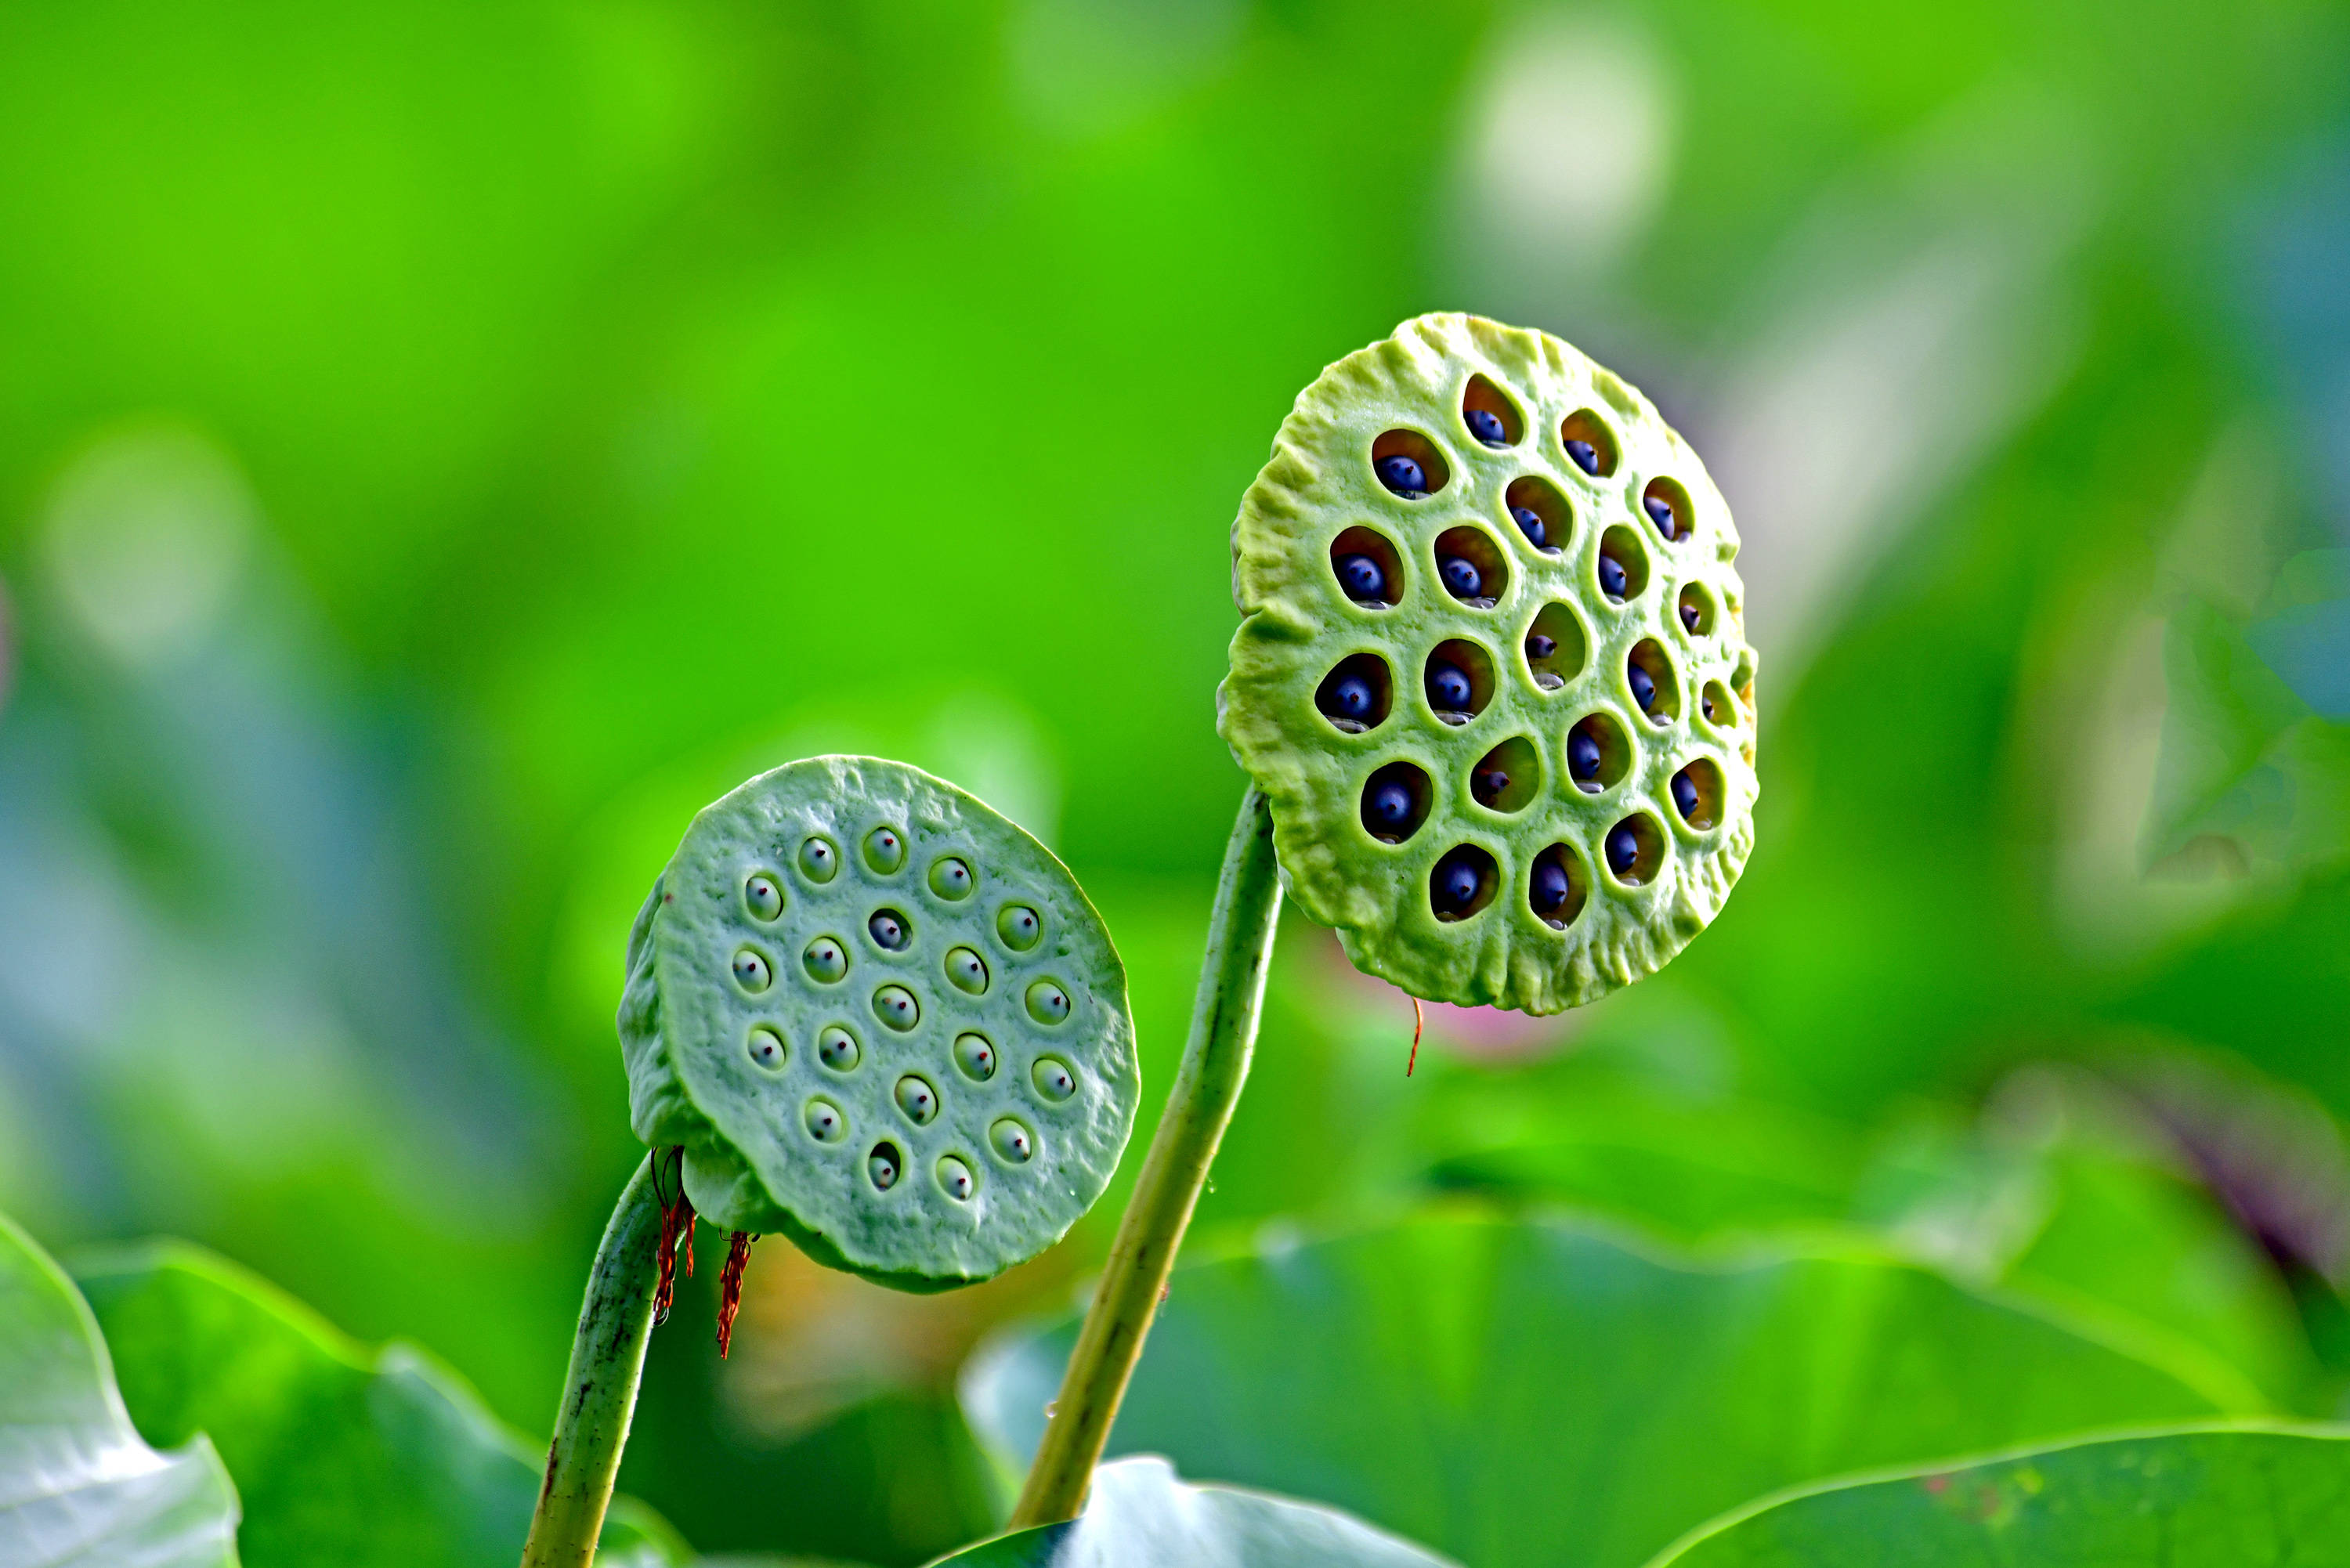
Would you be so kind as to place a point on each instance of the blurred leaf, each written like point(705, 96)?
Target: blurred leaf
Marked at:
point(2217, 1498)
point(76, 1484)
point(1531, 1394)
point(342, 1456)
point(1140, 1516)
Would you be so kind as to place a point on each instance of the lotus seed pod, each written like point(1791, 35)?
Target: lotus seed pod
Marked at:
point(1505, 714)
point(856, 1100)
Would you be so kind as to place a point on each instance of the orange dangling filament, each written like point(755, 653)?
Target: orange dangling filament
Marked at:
point(730, 1287)
point(677, 1225)
point(1418, 1021)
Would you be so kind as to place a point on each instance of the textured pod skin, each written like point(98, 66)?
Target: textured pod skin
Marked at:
point(1297, 626)
point(701, 1074)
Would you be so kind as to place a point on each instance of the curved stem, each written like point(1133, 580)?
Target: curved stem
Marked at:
point(1215, 1066)
point(599, 1391)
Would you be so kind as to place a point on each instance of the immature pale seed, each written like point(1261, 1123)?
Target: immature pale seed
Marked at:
point(751, 972)
point(1019, 926)
point(765, 898)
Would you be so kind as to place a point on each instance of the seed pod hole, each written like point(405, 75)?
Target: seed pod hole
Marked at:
point(1696, 794)
point(955, 1179)
point(1695, 608)
point(1555, 647)
point(1622, 568)
point(1395, 801)
point(1489, 415)
point(895, 1006)
point(752, 972)
point(1367, 567)
point(1052, 1078)
point(889, 931)
point(883, 1165)
point(950, 878)
point(1557, 886)
point(975, 1056)
point(1458, 680)
point(1471, 566)
point(1019, 926)
point(763, 898)
point(1011, 1140)
point(1047, 1002)
point(819, 860)
point(1507, 778)
point(1634, 849)
point(767, 1048)
point(967, 971)
point(1648, 676)
point(1668, 506)
point(1356, 694)
point(1590, 444)
point(1462, 883)
point(825, 961)
point(1408, 465)
point(1539, 513)
point(917, 1099)
point(885, 849)
point(1599, 754)
point(1741, 678)
point(824, 1121)
point(1720, 709)
point(838, 1049)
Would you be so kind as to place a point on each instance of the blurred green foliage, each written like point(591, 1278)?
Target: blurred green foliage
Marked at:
point(442, 446)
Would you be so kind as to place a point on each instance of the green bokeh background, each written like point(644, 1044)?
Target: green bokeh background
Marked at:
point(442, 446)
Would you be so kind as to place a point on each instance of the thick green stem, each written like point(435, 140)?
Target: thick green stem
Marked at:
point(599, 1392)
point(1215, 1066)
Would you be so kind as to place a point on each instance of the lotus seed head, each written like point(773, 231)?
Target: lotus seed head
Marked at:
point(950, 878)
point(765, 900)
point(884, 850)
point(1622, 849)
point(766, 1047)
point(888, 928)
point(1352, 696)
point(1530, 524)
point(975, 1056)
point(827, 960)
point(837, 1048)
point(954, 1175)
point(824, 1122)
point(1011, 1140)
point(1486, 426)
point(1404, 476)
point(1644, 688)
point(1612, 580)
point(1047, 1002)
point(917, 1099)
point(1660, 513)
point(1052, 1078)
point(1448, 689)
point(1685, 796)
point(882, 1166)
point(896, 1006)
point(1019, 926)
point(751, 972)
point(967, 970)
point(1361, 577)
point(1585, 456)
point(1461, 579)
point(819, 860)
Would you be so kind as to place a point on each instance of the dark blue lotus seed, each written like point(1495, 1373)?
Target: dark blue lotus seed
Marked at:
point(1461, 576)
point(1582, 755)
point(1688, 616)
point(1456, 885)
point(1644, 687)
point(1391, 805)
point(1361, 577)
point(1623, 849)
point(1548, 894)
point(1488, 783)
point(1541, 647)
point(1529, 524)
point(1487, 427)
point(1352, 696)
point(1448, 689)
point(1685, 796)
point(1660, 513)
point(1612, 580)
point(888, 928)
point(1403, 475)
point(1586, 456)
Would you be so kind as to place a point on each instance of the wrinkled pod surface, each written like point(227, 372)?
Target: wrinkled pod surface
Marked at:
point(1492, 671)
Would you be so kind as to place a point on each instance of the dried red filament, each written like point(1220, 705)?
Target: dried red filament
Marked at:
point(730, 1287)
point(1417, 1021)
point(677, 1224)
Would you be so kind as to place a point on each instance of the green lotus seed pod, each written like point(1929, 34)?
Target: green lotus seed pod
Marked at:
point(807, 1105)
point(1491, 671)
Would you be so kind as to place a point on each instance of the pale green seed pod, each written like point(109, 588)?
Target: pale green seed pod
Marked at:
point(825, 1009)
point(1490, 780)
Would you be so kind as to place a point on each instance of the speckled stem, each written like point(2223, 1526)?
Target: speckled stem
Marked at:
point(1215, 1066)
point(599, 1391)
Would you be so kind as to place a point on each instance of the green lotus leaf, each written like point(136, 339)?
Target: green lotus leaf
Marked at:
point(882, 1020)
point(1544, 652)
